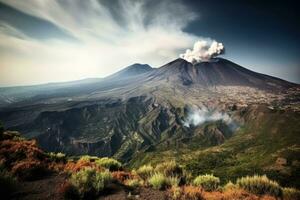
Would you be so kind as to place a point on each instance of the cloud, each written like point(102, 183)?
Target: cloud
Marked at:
point(203, 50)
point(139, 31)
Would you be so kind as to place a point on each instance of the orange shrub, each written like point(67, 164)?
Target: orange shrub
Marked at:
point(81, 164)
point(186, 193)
point(29, 170)
point(192, 193)
point(121, 176)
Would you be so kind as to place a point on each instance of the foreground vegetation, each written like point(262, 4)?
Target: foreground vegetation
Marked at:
point(89, 177)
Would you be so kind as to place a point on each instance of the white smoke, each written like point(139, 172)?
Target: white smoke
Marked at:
point(201, 115)
point(203, 50)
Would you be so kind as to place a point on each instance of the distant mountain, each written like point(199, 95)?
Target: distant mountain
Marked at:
point(140, 112)
point(132, 70)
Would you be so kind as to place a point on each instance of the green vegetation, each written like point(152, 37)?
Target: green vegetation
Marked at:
point(173, 181)
point(145, 171)
point(260, 185)
point(169, 168)
point(90, 182)
point(290, 193)
point(158, 181)
point(57, 157)
point(207, 182)
point(253, 149)
point(133, 183)
point(109, 163)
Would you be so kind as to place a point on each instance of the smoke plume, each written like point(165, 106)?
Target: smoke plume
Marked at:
point(203, 50)
point(201, 115)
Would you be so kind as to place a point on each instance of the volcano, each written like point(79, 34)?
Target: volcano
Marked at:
point(140, 107)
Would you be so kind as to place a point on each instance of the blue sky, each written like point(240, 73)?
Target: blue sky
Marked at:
point(63, 40)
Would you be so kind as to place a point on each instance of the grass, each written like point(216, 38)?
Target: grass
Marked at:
point(89, 182)
point(133, 183)
point(145, 171)
point(109, 163)
point(158, 181)
point(290, 193)
point(260, 185)
point(207, 182)
point(170, 168)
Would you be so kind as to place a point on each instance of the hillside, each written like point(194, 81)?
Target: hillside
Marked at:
point(27, 172)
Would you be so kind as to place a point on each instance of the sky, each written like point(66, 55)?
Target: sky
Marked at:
point(44, 41)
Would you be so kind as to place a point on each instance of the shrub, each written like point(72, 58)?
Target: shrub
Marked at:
point(290, 193)
point(192, 193)
point(260, 185)
point(121, 176)
point(207, 182)
point(133, 183)
point(109, 163)
point(7, 184)
point(145, 171)
point(229, 186)
point(88, 158)
point(158, 181)
point(90, 182)
point(175, 193)
point(57, 157)
point(81, 164)
point(169, 169)
point(173, 181)
point(30, 170)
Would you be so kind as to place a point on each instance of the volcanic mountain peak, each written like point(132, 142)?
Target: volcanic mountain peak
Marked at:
point(218, 71)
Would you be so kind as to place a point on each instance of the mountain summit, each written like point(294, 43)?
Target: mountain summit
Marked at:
point(218, 72)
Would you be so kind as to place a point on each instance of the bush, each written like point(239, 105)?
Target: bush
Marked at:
point(290, 193)
point(133, 183)
point(169, 169)
point(90, 182)
point(145, 171)
point(158, 181)
point(173, 181)
point(192, 193)
point(88, 158)
point(121, 176)
point(109, 163)
point(207, 182)
point(175, 193)
point(260, 185)
point(30, 170)
point(229, 186)
point(7, 184)
point(57, 157)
